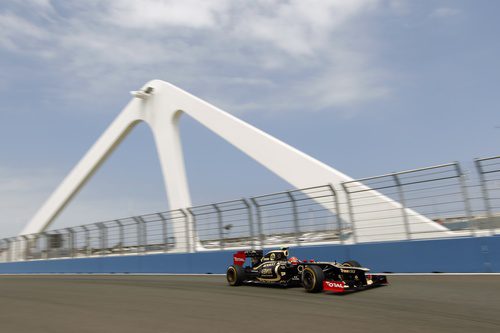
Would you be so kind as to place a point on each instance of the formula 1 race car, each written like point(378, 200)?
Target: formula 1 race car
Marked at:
point(276, 268)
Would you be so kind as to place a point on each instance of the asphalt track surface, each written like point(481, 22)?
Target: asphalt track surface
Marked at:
point(206, 304)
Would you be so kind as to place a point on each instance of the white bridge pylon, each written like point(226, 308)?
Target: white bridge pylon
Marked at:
point(160, 105)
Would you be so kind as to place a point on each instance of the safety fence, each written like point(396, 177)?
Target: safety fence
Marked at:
point(431, 202)
point(436, 193)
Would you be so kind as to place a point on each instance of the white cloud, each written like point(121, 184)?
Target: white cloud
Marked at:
point(298, 27)
point(45, 4)
point(157, 14)
point(342, 87)
point(444, 12)
point(288, 44)
point(17, 33)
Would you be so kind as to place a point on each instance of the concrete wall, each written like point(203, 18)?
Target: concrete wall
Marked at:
point(469, 254)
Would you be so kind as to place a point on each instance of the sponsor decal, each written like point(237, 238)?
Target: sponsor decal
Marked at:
point(335, 286)
point(239, 258)
point(271, 277)
point(264, 265)
point(350, 271)
point(266, 271)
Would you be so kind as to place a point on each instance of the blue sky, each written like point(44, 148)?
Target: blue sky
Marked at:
point(368, 87)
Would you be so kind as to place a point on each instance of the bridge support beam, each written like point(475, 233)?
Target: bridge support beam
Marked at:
point(160, 105)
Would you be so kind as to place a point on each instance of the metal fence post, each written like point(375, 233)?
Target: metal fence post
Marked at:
point(25, 247)
point(6, 249)
point(351, 212)
point(19, 248)
point(402, 201)
point(465, 198)
point(48, 245)
point(338, 220)
point(190, 232)
point(3, 251)
point(164, 234)
point(140, 241)
point(295, 216)
point(60, 243)
point(259, 222)
point(145, 241)
point(250, 222)
point(42, 237)
point(486, 196)
point(12, 249)
point(220, 224)
point(121, 236)
point(16, 248)
point(36, 246)
point(13, 256)
point(88, 250)
point(9, 251)
point(71, 242)
point(102, 237)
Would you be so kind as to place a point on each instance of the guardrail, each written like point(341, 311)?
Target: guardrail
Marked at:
point(438, 193)
point(315, 215)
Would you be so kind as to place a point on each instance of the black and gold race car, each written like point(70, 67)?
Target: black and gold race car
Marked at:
point(276, 268)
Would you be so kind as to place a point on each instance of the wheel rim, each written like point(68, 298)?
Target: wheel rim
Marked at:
point(308, 280)
point(231, 275)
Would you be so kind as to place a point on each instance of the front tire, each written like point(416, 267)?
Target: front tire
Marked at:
point(312, 279)
point(235, 275)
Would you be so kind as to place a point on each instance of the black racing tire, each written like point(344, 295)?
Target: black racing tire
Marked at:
point(351, 263)
point(235, 275)
point(312, 279)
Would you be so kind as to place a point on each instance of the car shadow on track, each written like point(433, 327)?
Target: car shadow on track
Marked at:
point(353, 292)
point(341, 294)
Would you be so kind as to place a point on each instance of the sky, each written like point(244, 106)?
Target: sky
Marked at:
point(366, 86)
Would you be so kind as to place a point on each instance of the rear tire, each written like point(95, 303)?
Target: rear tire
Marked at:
point(235, 275)
point(312, 279)
point(351, 263)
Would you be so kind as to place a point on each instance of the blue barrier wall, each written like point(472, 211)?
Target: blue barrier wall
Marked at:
point(469, 254)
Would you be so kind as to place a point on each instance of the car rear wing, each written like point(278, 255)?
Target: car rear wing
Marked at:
point(240, 256)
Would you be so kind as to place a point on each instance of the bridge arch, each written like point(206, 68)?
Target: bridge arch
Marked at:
point(160, 105)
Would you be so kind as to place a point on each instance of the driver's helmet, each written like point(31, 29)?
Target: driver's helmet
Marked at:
point(293, 260)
